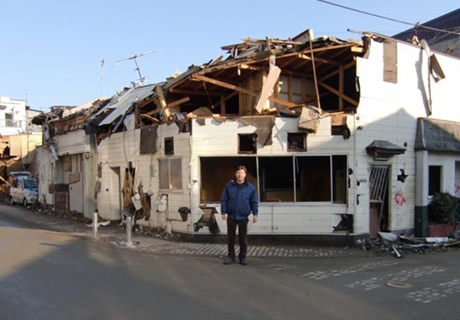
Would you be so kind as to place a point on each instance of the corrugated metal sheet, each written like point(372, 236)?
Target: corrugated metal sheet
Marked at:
point(124, 102)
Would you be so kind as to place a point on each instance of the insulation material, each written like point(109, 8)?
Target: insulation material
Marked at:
point(390, 61)
point(309, 118)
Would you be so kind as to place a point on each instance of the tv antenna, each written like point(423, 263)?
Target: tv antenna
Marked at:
point(141, 78)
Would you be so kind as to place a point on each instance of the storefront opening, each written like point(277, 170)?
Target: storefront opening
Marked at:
point(279, 179)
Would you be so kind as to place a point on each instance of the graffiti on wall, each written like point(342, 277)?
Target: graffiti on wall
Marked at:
point(399, 199)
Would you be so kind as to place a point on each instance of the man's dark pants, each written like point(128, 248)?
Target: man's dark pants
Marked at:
point(242, 237)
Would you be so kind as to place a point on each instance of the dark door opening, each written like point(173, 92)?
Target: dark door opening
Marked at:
point(378, 211)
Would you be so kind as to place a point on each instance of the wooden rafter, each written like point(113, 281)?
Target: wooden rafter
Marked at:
point(338, 93)
point(317, 59)
point(336, 71)
point(239, 89)
point(178, 102)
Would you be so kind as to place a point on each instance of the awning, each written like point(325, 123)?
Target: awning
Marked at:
point(383, 149)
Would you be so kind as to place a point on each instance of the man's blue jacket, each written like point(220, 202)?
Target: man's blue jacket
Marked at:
point(239, 201)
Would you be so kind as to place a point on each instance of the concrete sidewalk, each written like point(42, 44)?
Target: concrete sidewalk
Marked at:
point(116, 235)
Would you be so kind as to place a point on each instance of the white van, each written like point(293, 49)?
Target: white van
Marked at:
point(23, 190)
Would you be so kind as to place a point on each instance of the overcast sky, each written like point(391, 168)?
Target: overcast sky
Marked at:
point(51, 50)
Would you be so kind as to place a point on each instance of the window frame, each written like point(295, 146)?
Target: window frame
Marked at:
point(169, 175)
point(296, 177)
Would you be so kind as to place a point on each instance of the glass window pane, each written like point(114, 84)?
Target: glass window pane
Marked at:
point(175, 175)
point(164, 173)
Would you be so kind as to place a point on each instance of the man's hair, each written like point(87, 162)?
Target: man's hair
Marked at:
point(241, 168)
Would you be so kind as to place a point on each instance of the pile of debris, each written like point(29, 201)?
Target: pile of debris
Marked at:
point(398, 245)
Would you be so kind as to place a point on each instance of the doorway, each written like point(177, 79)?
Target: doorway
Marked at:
point(378, 200)
point(115, 194)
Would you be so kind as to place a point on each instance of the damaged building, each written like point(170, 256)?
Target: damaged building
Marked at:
point(335, 135)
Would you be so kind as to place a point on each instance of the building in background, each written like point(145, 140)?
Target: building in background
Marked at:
point(18, 139)
point(445, 42)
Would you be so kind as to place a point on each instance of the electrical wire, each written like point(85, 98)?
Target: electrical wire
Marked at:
point(390, 19)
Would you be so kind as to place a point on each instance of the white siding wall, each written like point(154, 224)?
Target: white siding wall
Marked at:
point(388, 111)
point(72, 142)
point(120, 149)
point(221, 139)
point(45, 164)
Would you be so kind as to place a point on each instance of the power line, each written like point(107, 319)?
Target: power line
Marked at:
point(390, 19)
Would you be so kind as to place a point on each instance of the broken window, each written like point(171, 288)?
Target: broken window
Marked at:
point(339, 179)
point(434, 179)
point(276, 179)
point(280, 179)
point(169, 146)
point(170, 174)
point(217, 171)
point(315, 175)
point(247, 143)
point(297, 141)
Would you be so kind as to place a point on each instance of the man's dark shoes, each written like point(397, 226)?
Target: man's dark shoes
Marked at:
point(243, 262)
point(229, 261)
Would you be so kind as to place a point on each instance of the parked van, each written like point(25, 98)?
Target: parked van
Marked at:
point(13, 175)
point(23, 190)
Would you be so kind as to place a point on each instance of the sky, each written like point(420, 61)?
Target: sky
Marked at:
point(51, 51)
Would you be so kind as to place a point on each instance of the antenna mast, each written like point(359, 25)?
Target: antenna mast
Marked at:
point(141, 79)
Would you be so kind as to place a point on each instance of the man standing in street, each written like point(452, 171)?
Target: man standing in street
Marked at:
point(238, 201)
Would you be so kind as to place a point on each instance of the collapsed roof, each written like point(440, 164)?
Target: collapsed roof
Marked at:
point(258, 77)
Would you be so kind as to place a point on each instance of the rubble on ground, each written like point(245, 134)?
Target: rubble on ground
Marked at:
point(400, 245)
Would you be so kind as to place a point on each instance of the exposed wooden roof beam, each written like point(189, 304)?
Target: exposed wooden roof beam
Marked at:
point(336, 71)
point(239, 89)
point(303, 56)
point(338, 93)
point(178, 102)
point(194, 92)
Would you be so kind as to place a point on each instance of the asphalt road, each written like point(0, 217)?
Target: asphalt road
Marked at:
point(50, 274)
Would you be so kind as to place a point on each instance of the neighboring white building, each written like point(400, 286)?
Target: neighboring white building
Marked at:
point(359, 165)
point(13, 117)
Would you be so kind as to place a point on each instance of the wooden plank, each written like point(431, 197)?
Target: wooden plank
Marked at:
point(341, 86)
point(9, 184)
point(162, 102)
point(194, 92)
point(247, 67)
point(336, 71)
point(337, 118)
point(151, 112)
point(149, 117)
point(305, 57)
point(178, 102)
point(239, 89)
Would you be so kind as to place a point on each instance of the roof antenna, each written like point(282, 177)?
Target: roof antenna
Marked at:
point(141, 78)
